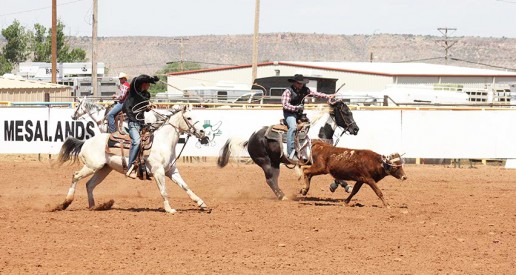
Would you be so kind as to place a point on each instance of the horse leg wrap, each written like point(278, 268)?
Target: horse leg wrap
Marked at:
point(129, 170)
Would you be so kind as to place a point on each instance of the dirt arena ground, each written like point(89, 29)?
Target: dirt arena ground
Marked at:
point(442, 221)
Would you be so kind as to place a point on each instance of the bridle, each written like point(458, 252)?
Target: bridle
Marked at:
point(337, 111)
point(87, 111)
point(76, 113)
point(191, 128)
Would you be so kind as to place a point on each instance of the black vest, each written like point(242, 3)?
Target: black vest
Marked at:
point(297, 98)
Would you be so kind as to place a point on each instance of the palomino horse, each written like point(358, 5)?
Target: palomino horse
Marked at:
point(160, 162)
point(267, 153)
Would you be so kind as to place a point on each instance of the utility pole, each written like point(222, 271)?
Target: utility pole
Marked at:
point(446, 42)
point(255, 41)
point(54, 41)
point(94, 50)
point(182, 52)
point(53, 48)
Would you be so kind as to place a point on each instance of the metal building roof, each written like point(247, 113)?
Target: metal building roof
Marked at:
point(23, 84)
point(401, 69)
point(374, 68)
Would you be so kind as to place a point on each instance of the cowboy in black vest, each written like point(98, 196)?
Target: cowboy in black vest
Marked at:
point(134, 107)
point(293, 106)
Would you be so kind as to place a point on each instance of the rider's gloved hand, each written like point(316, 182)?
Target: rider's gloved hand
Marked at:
point(155, 79)
point(300, 108)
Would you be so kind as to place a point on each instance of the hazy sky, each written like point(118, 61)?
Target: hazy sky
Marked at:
point(485, 18)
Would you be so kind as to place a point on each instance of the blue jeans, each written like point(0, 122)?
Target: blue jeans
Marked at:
point(134, 133)
point(111, 116)
point(291, 120)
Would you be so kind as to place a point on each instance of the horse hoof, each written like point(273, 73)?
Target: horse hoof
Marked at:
point(206, 209)
point(284, 198)
point(171, 211)
point(203, 206)
point(102, 207)
point(304, 191)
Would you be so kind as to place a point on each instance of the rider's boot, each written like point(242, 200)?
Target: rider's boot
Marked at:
point(293, 156)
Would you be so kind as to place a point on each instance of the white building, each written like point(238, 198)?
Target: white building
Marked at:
point(482, 84)
point(43, 71)
point(76, 75)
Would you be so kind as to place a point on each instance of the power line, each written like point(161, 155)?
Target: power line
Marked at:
point(44, 8)
point(418, 60)
point(447, 43)
point(459, 60)
point(207, 63)
point(483, 64)
point(507, 1)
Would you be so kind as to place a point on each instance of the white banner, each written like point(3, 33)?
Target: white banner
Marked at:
point(39, 130)
point(418, 134)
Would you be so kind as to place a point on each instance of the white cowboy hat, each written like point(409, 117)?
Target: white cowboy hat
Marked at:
point(122, 75)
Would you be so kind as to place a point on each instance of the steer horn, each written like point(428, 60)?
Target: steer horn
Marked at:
point(394, 160)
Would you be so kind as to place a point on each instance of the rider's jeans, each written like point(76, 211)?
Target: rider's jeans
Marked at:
point(134, 133)
point(111, 116)
point(292, 124)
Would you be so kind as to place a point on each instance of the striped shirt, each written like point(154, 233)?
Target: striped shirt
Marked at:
point(286, 96)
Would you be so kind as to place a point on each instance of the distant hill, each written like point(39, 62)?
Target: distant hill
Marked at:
point(135, 55)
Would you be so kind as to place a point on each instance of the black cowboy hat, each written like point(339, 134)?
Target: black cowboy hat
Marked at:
point(148, 79)
point(299, 78)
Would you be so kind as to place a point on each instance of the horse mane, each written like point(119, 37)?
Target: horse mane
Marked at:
point(89, 105)
point(161, 118)
point(322, 110)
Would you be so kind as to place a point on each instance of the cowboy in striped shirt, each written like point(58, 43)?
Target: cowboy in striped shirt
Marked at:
point(292, 100)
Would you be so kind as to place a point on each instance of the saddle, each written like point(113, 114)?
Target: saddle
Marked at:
point(278, 132)
point(119, 143)
point(303, 125)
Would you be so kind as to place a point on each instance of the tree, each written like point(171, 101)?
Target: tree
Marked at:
point(170, 68)
point(16, 49)
point(5, 66)
point(42, 46)
point(21, 43)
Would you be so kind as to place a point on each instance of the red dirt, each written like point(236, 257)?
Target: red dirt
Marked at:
point(441, 221)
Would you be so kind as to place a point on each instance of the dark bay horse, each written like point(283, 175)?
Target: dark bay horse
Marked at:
point(267, 153)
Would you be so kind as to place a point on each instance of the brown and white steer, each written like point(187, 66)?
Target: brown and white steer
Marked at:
point(362, 166)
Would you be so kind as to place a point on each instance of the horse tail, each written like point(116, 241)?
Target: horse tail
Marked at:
point(233, 147)
point(70, 150)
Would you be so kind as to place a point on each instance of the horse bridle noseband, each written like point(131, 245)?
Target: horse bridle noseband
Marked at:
point(191, 128)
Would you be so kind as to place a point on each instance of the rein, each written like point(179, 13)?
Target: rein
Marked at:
point(88, 111)
point(343, 132)
point(190, 127)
